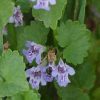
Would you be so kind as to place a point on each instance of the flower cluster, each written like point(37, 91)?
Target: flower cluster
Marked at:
point(44, 74)
point(17, 17)
point(43, 4)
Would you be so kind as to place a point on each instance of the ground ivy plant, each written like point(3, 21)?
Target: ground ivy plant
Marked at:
point(49, 50)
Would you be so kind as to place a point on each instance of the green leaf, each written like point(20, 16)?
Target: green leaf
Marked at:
point(71, 93)
point(5, 13)
point(12, 74)
point(25, 5)
point(76, 9)
point(82, 11)
point(69, 12)
point(96, 5)
point(50, 18)
point(81, 83)
point(79, 11)
point(74, 38)
point(85, 76)
point(29, 95)
point(11, 37)
point(96, 94)
point(35, 32)
point(1, 43)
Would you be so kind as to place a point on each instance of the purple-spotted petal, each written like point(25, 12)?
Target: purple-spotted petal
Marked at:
point(54, 72)
point(34, 83)
point(63, 80)
point(39, 7)
point(42, 4)
point(29, 72)
point(61, 73)
point(38, 58)
point(29, 57)
point(36, 77)
point(17, 17)
point(33, 52)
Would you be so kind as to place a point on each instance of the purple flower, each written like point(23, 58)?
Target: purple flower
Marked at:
point(47, 73)
point(34, 51)
point(35, 76)
point(44, 4)
point(17, 17)
point(61, 72)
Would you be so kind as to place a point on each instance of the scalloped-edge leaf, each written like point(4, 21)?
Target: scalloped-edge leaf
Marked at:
point(12, 74)
point(50, 18)
point(29, 95)
point(71, 93)
point(6, 10)
point(74, 38)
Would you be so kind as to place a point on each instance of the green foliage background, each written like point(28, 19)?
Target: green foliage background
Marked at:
point(71, 26)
